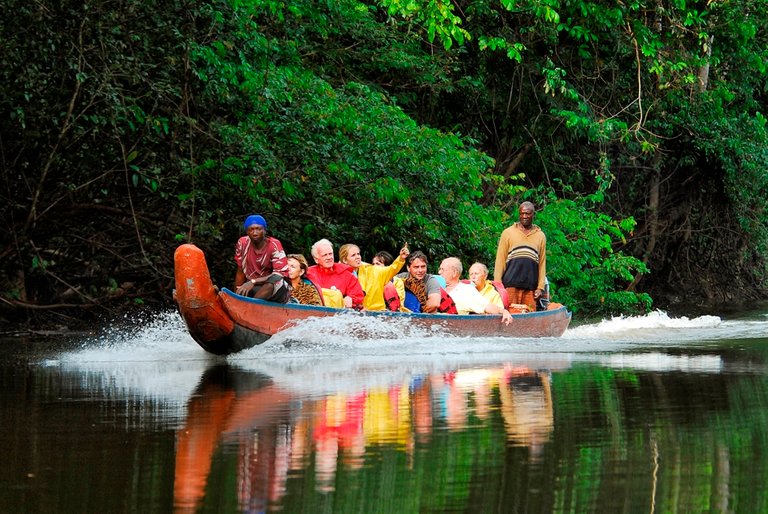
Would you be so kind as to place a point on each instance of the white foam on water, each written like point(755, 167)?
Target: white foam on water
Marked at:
point(658, 328)
point(648, 328)
point(164, 338)
point(157, 358)
point(338, 353)
point(154, 359)
point(746, 329)
point(663, 362)
point(155, 338)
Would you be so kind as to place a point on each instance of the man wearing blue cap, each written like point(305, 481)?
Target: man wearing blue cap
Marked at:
point(262, 268)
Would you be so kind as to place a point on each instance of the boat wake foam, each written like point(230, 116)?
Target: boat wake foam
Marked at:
point(352, 326)
point(656, 323)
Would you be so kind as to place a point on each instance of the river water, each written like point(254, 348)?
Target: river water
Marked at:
point(655, 413)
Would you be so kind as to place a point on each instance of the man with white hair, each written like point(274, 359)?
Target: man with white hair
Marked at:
point(334, 278)
point(478, 275)
point(467, 298)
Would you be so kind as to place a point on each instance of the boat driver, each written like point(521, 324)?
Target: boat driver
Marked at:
point(262, 267)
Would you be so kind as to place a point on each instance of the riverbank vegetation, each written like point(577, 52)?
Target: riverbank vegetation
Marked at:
point(638, 130)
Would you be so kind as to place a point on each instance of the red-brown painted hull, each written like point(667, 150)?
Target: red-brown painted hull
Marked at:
point(244, 322)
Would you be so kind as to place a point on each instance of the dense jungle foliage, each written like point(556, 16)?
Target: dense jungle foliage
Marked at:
point(637, 129)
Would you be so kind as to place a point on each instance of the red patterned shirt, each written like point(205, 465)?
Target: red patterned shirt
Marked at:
point(257, 263)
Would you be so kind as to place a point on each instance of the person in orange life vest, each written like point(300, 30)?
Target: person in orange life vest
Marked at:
point(372, 278)
point(331, 275)
point(468, 299)
point(521, 259)
point(262, 268)
point(478, 276)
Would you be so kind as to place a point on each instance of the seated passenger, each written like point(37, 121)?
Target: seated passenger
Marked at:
point(339, 286)
point(422, 291)
point(262, 269)
point(383, 258)
point(478, 275)
point(372, 278)
point(303, 291)
point(468, 299)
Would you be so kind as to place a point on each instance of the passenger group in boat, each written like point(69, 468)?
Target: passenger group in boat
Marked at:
point(520, 285)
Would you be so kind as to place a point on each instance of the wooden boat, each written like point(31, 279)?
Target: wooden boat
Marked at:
point(223, 322)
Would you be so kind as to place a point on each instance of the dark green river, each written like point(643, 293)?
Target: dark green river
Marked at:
point(650, 414)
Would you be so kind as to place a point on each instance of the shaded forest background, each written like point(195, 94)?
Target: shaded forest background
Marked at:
point(637, 129)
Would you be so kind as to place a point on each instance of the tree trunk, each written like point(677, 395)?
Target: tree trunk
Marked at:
point(652, 225)
point(704, 70)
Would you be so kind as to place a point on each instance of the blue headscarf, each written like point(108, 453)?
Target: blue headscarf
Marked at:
point(255, 219)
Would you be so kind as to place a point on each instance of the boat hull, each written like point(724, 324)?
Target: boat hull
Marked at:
point(223, 322)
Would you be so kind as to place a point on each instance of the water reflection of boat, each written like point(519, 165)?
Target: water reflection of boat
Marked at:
point(525, 398)
point(223, 322)
point(228, 405)
point(276, 434)
point(526, 406)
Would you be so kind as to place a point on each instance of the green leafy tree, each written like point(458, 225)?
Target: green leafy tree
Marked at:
point(584, 268)
point(663, 97)
point(380, 123)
